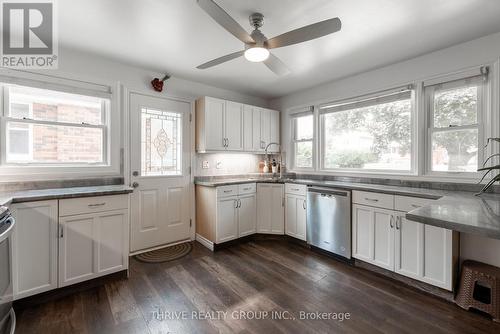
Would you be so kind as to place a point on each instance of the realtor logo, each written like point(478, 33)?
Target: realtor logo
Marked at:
point(29, 34)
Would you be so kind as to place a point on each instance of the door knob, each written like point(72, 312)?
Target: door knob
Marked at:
point(135, 184)
point(135, 173)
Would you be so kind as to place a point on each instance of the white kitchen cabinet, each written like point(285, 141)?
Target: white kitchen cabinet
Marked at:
point(295, 216)
point(210, 113)
point(93, 237)
point(230, 126)
point(373, 235)
point(34, 248)
point(270, 208)
point(246, 215)
point(225, 213)
point(424, 252)
point(227, 219)
point(233, 126)
point(385, 238)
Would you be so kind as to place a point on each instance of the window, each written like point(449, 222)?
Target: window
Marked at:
point(373, 134)
point(161, 136)
point(46, 127)
point(303, 128)
point(454, 114)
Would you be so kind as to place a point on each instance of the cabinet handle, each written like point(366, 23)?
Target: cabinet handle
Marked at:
point(227, 191)
point(398, 225)
point(61, 231)
point(239, 201)
point(371, 199)
point(304, 204)
point(415, 206)
point(391, 222)
point(96, 205)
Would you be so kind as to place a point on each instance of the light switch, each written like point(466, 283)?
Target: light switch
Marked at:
point(205, 164)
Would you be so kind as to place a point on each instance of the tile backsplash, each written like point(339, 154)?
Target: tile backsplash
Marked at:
point(228, 163)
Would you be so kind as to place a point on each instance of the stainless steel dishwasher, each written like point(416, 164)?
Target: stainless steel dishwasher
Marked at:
point(329, 220)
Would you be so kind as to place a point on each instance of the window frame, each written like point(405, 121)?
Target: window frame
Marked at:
point(294, 141)
point(110, 125)
point(358, 171)
point(482, 110)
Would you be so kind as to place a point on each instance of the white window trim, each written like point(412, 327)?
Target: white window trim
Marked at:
point(293, 141)
point(111, 134)
point(371, 172)
point(484, 109)
point(491, 128)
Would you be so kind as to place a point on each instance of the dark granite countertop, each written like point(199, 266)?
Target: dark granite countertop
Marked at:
point(455, 210)
point(7, 198)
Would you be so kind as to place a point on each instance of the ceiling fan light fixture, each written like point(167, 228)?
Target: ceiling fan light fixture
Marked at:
point(256, 54)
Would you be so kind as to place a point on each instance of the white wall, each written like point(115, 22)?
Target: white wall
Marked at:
point(453, 59)
point(85, 66)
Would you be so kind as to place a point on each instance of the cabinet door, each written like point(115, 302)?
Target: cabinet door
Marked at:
point(257, 143)
point(227, 225)
point(438, 256)
point(277, 209)
point(246, 215)
point(264, 207)
point(291, 215)
point(383, 228)
point(301, 218)
point(362, 232)
point(248, 128)
point(275, 130)
point(409, 245)
point(34, 248)
point(111, 242)
point(76, 249)
point(234, 126)
point(265, 127)
point(214, 123)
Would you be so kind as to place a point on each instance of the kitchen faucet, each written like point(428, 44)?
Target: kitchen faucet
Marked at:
point(267, 156)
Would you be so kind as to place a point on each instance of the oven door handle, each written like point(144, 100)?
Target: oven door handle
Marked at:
point(12, 321)
point(8, 231)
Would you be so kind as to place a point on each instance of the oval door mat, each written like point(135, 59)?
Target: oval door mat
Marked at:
point(166, 254)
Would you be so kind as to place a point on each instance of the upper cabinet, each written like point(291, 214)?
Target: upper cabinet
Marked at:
point(230, 126)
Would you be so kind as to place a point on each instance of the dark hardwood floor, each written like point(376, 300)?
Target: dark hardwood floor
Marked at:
point(250, 279)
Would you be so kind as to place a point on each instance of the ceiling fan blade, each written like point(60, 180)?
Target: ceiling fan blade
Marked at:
point(221, 60)
point(276, 65)
point(225, 20)
point(306, 33)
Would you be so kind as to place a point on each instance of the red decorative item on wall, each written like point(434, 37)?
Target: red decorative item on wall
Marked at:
point(158, 84)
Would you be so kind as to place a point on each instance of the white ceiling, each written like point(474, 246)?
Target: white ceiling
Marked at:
point(175, 36)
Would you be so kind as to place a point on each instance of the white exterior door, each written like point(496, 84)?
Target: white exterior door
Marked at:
point(160, 167)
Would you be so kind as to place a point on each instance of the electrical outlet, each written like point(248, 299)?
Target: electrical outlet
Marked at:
point(218, 165)
point(205, 164)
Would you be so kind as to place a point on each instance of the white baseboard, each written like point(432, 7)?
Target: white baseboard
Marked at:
point(205, 242)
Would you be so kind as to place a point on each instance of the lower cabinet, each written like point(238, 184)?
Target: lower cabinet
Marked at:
point(270, 208)
point(89, 239)
point(227, 219)
point(92, 245)
point(225, 213)
point(385, 238)
point(295, 216)
point(34, 251)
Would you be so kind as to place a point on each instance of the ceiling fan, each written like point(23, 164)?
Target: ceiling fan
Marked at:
point(257, 46)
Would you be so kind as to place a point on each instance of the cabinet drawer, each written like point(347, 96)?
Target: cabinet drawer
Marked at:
point(224, 191)
point(407, 203)
point(373, 199)
point(297, 189)
point(247, 188)
point(76, 206)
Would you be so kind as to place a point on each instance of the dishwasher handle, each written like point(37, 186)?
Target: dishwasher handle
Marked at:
point(328, 191)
